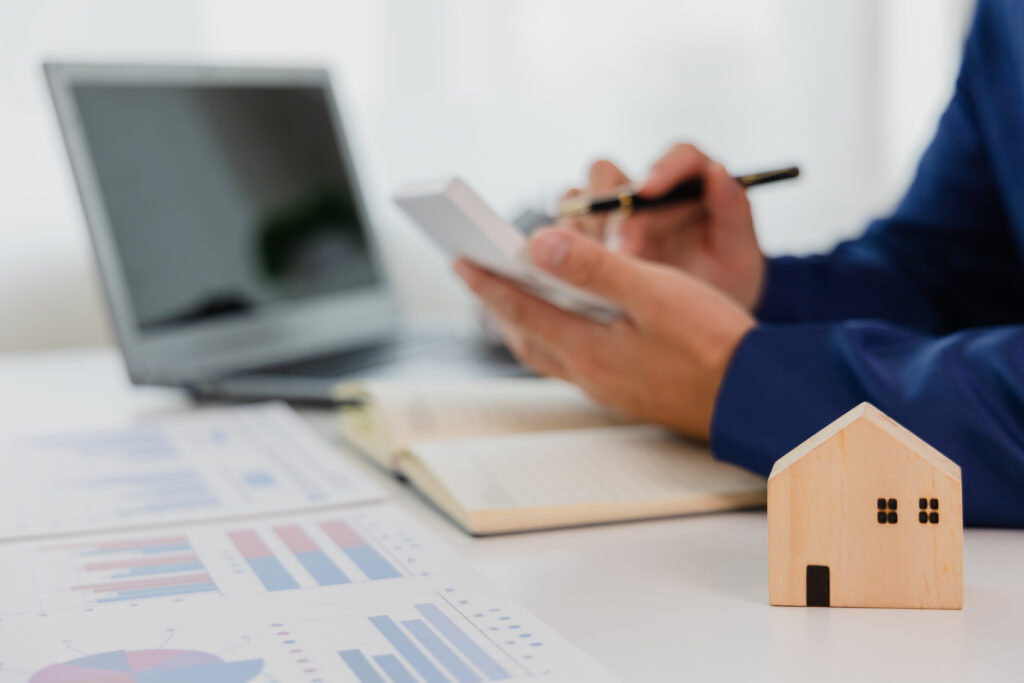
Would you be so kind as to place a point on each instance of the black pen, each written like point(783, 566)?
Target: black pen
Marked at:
point(625, 198)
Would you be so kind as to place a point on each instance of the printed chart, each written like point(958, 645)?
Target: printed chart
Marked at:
point(363, 595)
point(139, 568)
point(373, 544)
point(312, 555)
point(150, 666)
point(207, 465)
point(433, 634)
point(436, 635)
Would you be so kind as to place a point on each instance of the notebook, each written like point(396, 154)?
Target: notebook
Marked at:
point(518, 454)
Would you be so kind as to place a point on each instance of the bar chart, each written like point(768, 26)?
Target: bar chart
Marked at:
point(206, 465)
point(411, 634)
point(434, 635)
point(359, 550)
point(138, 569)
point(356, 595)
point(304, 552)
point(325, 553)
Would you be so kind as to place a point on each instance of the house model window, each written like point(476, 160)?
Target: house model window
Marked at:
point(924, 516)
point(890, 505)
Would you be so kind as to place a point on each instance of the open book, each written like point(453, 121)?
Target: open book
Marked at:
point(501, 455)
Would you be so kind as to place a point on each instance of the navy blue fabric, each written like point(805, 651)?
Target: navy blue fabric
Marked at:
point(923, 315)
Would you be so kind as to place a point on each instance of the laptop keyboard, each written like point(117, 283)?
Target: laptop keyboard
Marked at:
point(437, 347)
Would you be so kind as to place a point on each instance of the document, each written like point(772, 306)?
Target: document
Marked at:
point(211, 464)
point(364, 595)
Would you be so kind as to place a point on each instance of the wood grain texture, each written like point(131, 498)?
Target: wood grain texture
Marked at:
point(823, 505)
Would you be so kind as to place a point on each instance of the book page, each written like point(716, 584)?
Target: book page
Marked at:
point(427, 411)
point(581, 467)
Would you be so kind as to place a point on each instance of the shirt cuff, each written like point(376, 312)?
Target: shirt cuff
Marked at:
point(782, 385)
point(785, 277)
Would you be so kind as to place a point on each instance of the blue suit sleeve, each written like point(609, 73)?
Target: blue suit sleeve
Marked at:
point(963, 393)
point(947, 258)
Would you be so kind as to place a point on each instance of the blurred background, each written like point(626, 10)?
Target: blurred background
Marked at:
point(516, 96)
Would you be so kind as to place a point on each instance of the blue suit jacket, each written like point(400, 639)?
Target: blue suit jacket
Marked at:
point(922, 316)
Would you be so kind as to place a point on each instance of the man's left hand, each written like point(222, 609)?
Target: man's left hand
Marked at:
point(663, 361)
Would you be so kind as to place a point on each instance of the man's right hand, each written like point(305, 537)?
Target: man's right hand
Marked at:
point(713, 238)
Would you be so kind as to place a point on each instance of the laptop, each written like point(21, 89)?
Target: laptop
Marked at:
point(232, 236)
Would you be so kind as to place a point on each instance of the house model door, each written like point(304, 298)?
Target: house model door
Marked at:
point(818, 586)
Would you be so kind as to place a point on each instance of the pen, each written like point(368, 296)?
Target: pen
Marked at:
point(625, 197)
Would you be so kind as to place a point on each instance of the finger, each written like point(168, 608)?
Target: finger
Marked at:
point(656, 223)
point(556, 328)
point(613, 225)
point(726, 203)
point(588, 265)
point(604, 177)
point(530, 353)
point(578, 224)
point(584, 227)
point(681, 162)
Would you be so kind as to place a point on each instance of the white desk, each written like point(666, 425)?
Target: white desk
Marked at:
point(669, 600)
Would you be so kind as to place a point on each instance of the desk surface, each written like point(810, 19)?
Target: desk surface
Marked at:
point(665, 600)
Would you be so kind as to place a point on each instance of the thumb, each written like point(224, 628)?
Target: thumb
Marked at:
point(586, 264)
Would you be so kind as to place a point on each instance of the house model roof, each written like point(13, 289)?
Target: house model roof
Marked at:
point(866, 411)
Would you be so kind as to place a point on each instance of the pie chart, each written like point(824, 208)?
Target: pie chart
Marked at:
point(150, 666)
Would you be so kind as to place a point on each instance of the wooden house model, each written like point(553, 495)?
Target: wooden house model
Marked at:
point(865, 514)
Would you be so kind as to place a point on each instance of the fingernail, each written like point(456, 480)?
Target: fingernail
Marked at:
point(548, 249)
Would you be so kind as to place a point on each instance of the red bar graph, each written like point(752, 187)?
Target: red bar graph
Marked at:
point(137, 569)
point(143, 583)
point(359, 550)
point(297, 540)
point(312, 557)
point(342, 534)
point(156, 542)
point(129, 563)
point(262, 560)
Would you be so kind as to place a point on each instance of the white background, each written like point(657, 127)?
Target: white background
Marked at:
point(517, 96)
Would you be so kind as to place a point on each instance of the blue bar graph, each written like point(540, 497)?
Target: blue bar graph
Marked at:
point(264, 563)
point(321, 568)
point(134, 445)
point(259, 479)
point(412, 654)
point(366, 557)
point(371, 562)
point(360, 666)
point(442, 653)
point(272, 573)
point(315, 560)
point(155, 491)
point(394, 669)
point(462, 642)
point(159, 569)
point(160, 592)
point(170, 547)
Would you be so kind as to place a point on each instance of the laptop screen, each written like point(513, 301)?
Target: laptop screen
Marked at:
point(223, 200)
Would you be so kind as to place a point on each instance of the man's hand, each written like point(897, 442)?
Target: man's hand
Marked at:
point(712, 238)
point(663, 361)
